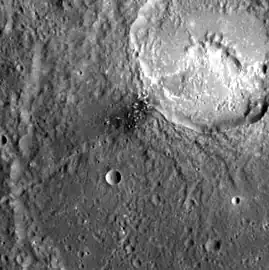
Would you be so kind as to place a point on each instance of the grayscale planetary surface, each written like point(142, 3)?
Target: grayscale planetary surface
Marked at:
point(134, 135)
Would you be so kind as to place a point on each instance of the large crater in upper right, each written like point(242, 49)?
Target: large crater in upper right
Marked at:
point(204, 64)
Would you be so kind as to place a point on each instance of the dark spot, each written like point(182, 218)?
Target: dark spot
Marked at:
point(58, 3)
point(217, 245)
point(3, 139)
point(237, 63)
point(80, 73)
point(136, 54)
point(264, 68)
point(218, 45)
point(189, 230)
point(129, 117)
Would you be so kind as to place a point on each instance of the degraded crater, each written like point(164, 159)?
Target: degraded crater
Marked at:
point(204, 63)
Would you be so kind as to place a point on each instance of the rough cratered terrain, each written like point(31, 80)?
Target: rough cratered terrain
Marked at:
point(134, 135)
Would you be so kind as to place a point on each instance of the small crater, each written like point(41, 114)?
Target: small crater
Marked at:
point(4, 259)
point(80, 254)
point(188, 230)
point(213, 245)
point(137, 263)
point(129, 249)
point(236, 200)
point(255, 111)
point(189, 243)
point(85, 252)
point(113, 177)
point(265, 226)
point(81, 265)
point(136, 54)
point(68, 248)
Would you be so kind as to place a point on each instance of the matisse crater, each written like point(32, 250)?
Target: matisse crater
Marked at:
point(203, 63)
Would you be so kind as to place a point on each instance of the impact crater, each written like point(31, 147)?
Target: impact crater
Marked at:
point(203, 64)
